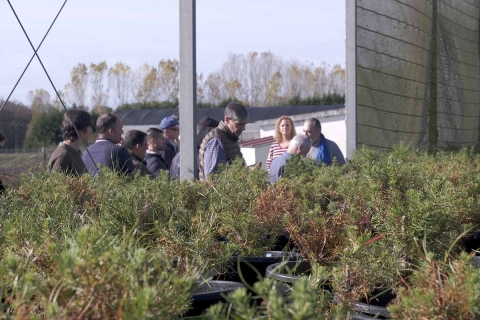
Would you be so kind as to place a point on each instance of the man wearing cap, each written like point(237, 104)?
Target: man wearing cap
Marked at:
point(221, 144)
point(171, 130)
point(204, 126)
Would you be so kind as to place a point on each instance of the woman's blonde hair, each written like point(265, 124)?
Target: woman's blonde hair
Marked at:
point(278, 134)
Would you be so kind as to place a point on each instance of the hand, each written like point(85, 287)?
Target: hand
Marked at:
point(256, 165)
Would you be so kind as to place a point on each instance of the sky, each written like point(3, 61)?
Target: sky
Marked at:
point(146, 31)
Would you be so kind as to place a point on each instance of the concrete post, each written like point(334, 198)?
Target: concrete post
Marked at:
point(188, 91)
point(351, 77)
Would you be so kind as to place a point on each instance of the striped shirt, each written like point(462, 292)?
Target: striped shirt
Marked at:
point(275, 151)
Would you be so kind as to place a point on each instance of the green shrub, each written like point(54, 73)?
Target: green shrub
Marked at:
point(99, 277)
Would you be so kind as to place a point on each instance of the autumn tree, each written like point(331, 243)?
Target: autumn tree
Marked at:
point(146, 84)
point(98, 73)
point(57, 104)
point(40, 100)
point(336, 77)
point(77, 89)
point(120, 80)
point(168, 80)
point(256, 79)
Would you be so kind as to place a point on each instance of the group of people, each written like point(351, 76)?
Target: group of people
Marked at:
point(312, 144)
point(148, 153)
point(135, 153)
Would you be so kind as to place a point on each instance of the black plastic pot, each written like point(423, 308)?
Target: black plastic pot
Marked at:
point(471, 241)
point(288, 272)
point(250, 269)
point(475, 261)
point(375, 308)
point(209, 293)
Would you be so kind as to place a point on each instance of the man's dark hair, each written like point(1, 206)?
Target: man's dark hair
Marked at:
point(153, 132)
point(236, 111)
point(315, 123)
point(134, 137)
point(2, 137)
point(105, 122)
point(80, 118)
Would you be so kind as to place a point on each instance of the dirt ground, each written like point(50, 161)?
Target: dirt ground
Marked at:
point(13, 165)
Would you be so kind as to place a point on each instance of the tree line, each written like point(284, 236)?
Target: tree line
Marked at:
point(255, 79)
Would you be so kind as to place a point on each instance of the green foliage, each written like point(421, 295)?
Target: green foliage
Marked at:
point(100, 277)
point(14, 121)
point(359, 221)
point(325, 100)
point(45, 129)
point(236, 198)
point(304, 302)
point(149, 105)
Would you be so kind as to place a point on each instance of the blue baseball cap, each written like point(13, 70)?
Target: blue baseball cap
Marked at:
point(168, 123)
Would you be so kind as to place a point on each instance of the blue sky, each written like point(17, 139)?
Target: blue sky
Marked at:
point(142, 31)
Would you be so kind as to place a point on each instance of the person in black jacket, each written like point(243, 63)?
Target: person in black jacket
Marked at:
point(154, 157)
point(2, 142)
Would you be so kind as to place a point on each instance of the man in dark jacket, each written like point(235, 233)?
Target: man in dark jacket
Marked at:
point(154, 157)
point(105, 151)
point(136, 143)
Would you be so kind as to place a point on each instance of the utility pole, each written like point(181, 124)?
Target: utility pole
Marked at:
point(188, 91)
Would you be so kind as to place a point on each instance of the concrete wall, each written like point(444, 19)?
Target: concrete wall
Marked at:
point(412, 73)
point(458, 73)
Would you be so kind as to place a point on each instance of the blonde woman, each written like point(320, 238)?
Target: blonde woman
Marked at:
point(284, 132)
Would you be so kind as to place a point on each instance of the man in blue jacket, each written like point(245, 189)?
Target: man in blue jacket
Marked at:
point(323, 151)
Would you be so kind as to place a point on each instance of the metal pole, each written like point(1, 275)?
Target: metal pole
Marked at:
point(351, 73)
point(188, 91)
